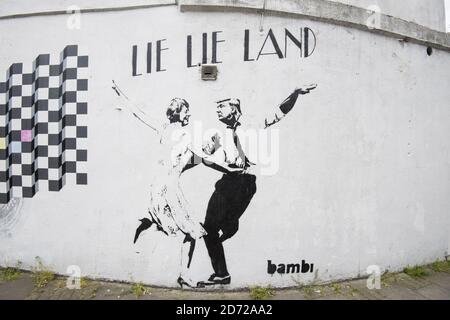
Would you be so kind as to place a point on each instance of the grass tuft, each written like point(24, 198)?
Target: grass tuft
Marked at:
point(42, 275)
point(416, 271)
point(139, 290)
point(84, 282)
point(441, 266)
point(261, 293)
point(10, 274)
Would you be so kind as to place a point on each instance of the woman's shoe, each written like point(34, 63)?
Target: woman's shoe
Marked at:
point(183, 282)
point(145, 224)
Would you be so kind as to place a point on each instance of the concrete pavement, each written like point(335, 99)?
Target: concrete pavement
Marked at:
point(20, 285)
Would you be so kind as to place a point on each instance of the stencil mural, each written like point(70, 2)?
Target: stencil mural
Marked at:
point(43, 124)
point(169, 210)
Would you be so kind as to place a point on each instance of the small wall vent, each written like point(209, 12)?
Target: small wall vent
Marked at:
point(209, 72)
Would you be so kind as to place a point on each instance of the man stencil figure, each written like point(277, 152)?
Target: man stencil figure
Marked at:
point(234, 191)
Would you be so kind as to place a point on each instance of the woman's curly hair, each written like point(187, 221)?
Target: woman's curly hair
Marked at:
point(174, 109)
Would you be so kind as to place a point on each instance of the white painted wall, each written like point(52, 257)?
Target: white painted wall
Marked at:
point(430, 13)
point(364, 160)
point(14, 7)
point(447, 15)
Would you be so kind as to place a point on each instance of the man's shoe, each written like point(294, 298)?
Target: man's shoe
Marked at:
point(220, 280)
point(214, 280)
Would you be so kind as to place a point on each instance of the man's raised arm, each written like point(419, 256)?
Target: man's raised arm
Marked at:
point(287, 105)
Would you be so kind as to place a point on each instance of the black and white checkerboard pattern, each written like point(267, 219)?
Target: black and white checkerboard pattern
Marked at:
point(43, 125)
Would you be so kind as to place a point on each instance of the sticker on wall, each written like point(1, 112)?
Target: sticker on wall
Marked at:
point(43, 124)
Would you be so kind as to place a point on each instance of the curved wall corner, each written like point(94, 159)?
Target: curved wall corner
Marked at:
point(354, 175)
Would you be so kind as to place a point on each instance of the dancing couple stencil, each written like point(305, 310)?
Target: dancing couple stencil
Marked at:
point(169, 211)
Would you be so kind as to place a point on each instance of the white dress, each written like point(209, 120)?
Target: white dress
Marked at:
point(168, 208)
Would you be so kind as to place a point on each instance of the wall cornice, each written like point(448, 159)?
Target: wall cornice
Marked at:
point(331, 12)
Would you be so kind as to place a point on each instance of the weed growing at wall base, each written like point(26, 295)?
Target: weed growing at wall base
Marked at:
point(308, 292)
point(139, 290)
point(41, 275)
point(42, 278)
point(10, 274)
point(416, 271)
point(336, 287)
point(260, 293)
point(441, 266)
point(84, 282)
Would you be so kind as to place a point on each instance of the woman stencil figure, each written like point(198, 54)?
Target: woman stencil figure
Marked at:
point(169, 210)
